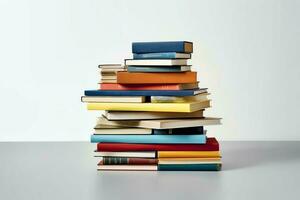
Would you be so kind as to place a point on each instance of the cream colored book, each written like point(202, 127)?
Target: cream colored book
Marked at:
point(110, 99)
point(127, 167)
point(134, 154)
point(135, 115)
point(162, 123)
point(111, 66)
point(156, 62)
point(100, 129)
point(171, 99)
point(108, 81)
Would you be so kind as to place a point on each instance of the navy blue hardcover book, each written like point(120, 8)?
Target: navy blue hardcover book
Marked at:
point(144, 92)
point(179, 131)
point(157, 47)
point(162, 55)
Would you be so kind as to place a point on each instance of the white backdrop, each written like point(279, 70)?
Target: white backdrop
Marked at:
point(245, 52)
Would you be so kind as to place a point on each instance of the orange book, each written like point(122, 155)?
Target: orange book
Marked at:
point(155, 78)
point(116, 86)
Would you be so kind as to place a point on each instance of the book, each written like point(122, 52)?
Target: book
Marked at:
point(156, 77)
point(180, 131)
point(127, 161)
point(140, 115)
point(211, 145)
point(113, 99)
point(144, 92)
point(162, 55)
point(156, 47)
point(112, 70)
point(158, 69)
point(156, 62)
point(111, 66)
point(139, 154)
point(127, 167)
point(105, 77)
point(162, 123)
point(116, 86)
point(188, 160)
point(188, 154)
point(150, 139)
point(173, 99)
point(108, 80)
point(153, 107)
point(110, 130)
point(190, 167)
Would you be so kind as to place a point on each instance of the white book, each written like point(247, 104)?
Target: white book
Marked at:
point(113, 99)
point(159, 62)
point(133, 154)
point(111, 66)
point(127, 167)
point(110, 130)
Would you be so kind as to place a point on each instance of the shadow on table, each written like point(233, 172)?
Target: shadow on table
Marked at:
point(237, 155)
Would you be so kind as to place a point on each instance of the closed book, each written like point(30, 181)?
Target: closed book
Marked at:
point(139, 115)
point(155, 78)
point(153, 107)
point(188, 154)
point(162, 123)
point(111, 66)
point(167, 46)
point(116, 86)
point(127, 161)
point(189, 160)
point(113, 99)
point(162, 55)
point(158, 69)
point(211, 145)
point(180, 131)
point(127, 168)
point(190, 167)
point(106, 129)
point(129, 154)
point(144, 92)
point(150, 139)
point(156, 62)
point(173, 99)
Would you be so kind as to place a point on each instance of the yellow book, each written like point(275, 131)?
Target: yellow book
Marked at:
point(188, 160)
point(154, 107)
point(189, 154)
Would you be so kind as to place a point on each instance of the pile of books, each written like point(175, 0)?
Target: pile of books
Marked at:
point(153, 116)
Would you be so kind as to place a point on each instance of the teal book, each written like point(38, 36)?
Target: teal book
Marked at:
point(162, 55)
point(190, 167)
point(150, 139)
point(158, 69)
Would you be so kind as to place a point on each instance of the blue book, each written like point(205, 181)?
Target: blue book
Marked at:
point(180, 131)
point(144, 92)
point(163, 55)
point(157, 47)
point(158, 69)
point(150, 139)
point(190, 167)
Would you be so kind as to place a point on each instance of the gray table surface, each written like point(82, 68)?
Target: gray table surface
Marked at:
point(67, 170)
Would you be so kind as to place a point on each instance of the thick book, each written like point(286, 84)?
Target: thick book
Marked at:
point(127, 161)
point(116, 86)
point(188, 154)
point(162, 55)
point(150, 139)
point(113, 99)
point(140, 115)
point(180, 131)
point(167, 46)
point(139, 154)
point(127, 168)
point(156, 62)
point(173, 99)
point(110, 130)
point(144, 92)
point(153, 107)
point(156, 78)
point(211, 145)
point(162, 123)
point(190, 167)
point(158, 69)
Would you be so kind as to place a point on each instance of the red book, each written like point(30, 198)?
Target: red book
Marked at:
point(211, 145)
point(116, 86)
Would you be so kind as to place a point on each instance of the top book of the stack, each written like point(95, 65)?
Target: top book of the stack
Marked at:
point(157, 47)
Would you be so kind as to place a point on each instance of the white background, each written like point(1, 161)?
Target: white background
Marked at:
point(245, 52)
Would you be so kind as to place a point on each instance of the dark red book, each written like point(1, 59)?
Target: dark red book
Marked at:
point(211, 145)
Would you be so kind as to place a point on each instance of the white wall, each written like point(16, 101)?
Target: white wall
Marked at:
point(246, 52)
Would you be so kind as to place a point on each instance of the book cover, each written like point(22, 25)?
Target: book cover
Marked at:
point(180, 131)
point(188, 154)
point(162, 55)
point(158, 69)
point(190, 167)
point(150, 139)
point(211, 145)
point(116, 86)
point(127, 161)
point(156, 47)
point(156, 77)
point(153, 107)
point(144, 92)
point(156, 62)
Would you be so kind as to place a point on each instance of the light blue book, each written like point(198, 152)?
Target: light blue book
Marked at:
point(164, 55)
point(150, 139)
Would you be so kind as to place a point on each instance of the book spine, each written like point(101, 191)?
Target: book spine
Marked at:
point(153, 69)
point(190, 167)
point(157, 47)
point(166, 55)
point(128, 161)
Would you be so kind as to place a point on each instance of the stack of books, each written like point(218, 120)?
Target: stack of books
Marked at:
point(153, 116)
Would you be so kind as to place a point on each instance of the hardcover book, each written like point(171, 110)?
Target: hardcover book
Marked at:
point(116, 86)
point(162, 55)
point(156, 47)
point(158, 69)
point(156, 62)
point(190, 167)
point(188, 154)
point(127, 161)
point(180, 131)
